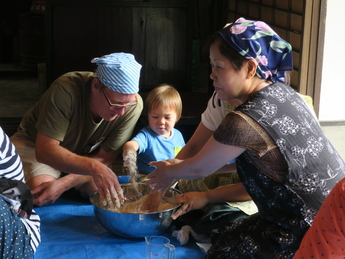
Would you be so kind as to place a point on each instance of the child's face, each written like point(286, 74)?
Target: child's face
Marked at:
point(162, 120)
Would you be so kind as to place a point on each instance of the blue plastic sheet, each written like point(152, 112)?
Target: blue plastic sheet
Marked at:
point(69, 229)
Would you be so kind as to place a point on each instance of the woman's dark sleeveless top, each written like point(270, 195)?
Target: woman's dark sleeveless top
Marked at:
point(314, 165)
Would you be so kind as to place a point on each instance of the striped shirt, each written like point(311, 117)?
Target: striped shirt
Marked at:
point(11, 168)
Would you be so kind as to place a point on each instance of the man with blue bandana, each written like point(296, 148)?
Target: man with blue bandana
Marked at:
point(77, 129)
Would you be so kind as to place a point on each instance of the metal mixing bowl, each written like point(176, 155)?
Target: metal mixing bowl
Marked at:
point(131, 225)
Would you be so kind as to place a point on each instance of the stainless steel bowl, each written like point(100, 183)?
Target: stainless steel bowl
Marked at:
point(135, 225)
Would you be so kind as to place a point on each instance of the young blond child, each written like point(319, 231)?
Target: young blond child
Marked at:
point(160, 140)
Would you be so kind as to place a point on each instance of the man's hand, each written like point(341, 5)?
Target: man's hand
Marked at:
point(190, 201)
point(109, 188)
point(49, 151)
point(47, 193)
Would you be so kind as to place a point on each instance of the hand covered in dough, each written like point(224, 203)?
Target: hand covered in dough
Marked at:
point(109, 187)
point(129, 158)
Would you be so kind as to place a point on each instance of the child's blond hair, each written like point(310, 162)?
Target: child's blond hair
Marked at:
point(164, 95)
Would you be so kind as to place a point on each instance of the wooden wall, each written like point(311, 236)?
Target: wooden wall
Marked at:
point(158, 33)
point(300, 22)
point(285, 17)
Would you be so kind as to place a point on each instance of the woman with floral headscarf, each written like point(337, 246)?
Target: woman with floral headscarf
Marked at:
point(284, 161)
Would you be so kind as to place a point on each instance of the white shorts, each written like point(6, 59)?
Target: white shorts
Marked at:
point(26, 150)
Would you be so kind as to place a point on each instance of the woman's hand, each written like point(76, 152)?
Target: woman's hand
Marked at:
point(163, 177)
point(151, 203)
point(190, 201)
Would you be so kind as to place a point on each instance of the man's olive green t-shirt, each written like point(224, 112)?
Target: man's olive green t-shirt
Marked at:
point(63, 113)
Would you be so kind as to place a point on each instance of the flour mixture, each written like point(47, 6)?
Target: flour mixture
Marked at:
point(134, 207)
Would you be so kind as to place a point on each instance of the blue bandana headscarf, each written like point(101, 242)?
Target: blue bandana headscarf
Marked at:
point(256, 40)
point(119, 72)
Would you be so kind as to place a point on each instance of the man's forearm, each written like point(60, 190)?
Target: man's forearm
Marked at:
point(72, 180)
point(49, 152)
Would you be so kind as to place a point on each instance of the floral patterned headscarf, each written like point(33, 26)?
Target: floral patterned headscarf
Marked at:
point(256, 40)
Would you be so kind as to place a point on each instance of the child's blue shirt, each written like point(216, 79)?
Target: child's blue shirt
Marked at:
point(153, 147)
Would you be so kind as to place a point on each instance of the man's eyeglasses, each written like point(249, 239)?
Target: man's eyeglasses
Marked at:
point(114, 106)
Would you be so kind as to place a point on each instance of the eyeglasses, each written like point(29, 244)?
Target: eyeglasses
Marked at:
point(114, 106)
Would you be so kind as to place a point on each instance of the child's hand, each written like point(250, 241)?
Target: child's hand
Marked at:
point(129, 158)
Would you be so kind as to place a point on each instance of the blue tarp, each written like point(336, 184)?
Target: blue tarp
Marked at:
point(69, 229)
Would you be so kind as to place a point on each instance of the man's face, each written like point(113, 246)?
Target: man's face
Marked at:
point(110, 104)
